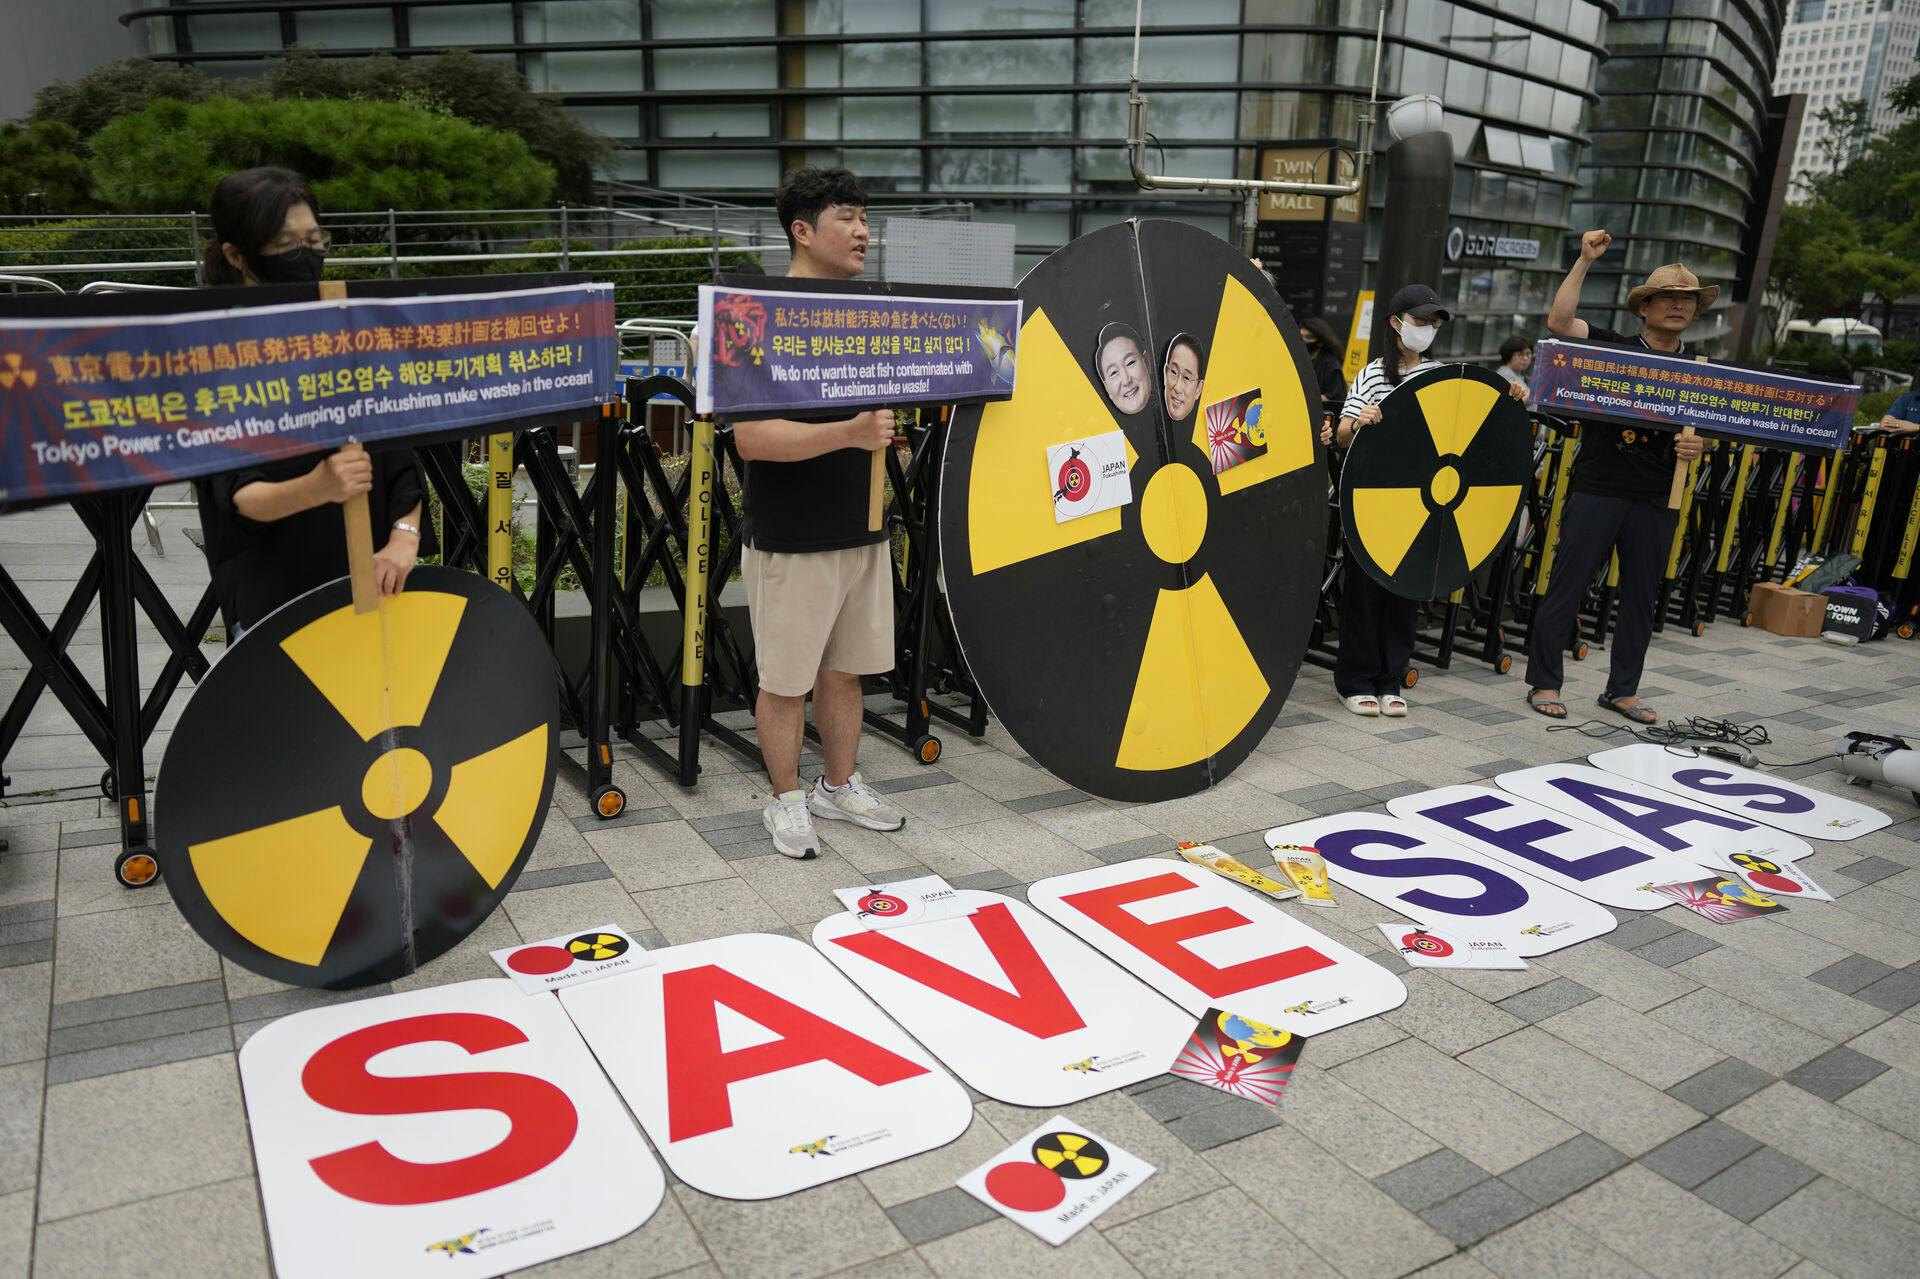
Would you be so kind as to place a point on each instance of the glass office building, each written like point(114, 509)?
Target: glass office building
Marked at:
point(1679, 162)
point(1019, 106)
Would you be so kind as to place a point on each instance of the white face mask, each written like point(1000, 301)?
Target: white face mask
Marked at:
point(1417, 337)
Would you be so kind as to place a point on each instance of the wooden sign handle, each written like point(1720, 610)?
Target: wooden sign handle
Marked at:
point(1679, 475)
point(877, 493)
point(359, 521)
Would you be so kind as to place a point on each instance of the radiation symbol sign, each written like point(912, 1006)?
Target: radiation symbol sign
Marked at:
point(1070, 1154)
point(1427, 944)
point(348, 795)
point(1430, 491)
point(1140, 651)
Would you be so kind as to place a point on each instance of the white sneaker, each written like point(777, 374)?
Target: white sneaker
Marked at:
point(855, 802)
point(787, 820)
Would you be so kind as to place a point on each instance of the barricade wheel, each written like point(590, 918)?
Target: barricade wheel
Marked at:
point(1410, 678)
point(609, 801)
point(1747, 620)
point(136, 868)
point(1504, 664)
point(926, 748)
point(1579, 650)
point(106, 783)
point(1699, 629)
point(1905, 630)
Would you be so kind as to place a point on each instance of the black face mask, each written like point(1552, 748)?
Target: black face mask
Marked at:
point(300, 266)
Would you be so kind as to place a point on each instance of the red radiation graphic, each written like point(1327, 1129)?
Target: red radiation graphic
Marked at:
point(884, 904)
point(1074, 479)
point(1427, 944)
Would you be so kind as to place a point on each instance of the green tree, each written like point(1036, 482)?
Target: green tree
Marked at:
point(464, 85)
point(88, 104)
point(357, 154)
point(459, 84)
point(1856, 242)
point(41, 169)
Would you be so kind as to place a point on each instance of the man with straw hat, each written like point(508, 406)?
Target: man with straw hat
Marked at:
point(1617, 497)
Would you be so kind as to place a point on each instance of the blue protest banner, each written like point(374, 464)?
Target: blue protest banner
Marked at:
point(98, 403)
point(1620, 383)
point(772, 350)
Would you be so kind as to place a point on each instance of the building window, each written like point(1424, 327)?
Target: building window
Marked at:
point(345, 28)
point(460, 25)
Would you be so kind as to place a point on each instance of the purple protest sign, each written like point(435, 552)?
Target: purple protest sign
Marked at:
point(794, 351)
point(96, 403)
point(1616, 384)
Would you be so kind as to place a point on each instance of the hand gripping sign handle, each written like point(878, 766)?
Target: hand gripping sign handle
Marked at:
point(354, 511)
point(1680, 467)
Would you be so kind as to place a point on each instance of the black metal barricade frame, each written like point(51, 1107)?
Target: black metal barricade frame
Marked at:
point(119, 723)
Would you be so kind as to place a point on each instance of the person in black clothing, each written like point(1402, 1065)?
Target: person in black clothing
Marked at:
point(1323, 350)
point(274, 531)
point(1617, 497)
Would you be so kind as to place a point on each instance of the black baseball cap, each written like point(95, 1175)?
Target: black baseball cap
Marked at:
point(1417, 300)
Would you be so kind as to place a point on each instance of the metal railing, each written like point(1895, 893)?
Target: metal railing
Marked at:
point(655, 249)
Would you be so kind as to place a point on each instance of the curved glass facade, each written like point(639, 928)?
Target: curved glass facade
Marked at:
point(1019, 106)
point(1678, 143)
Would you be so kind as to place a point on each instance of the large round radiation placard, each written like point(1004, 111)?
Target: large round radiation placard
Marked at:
point(348, 795)
point(1430, 491)
point(1131, 541)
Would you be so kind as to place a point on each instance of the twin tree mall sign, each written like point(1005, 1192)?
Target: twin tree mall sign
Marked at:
point(482, 1124)
point(1313, 251)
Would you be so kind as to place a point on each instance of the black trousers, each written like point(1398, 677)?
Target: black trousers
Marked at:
point(1376, 636)
point(1591, 526)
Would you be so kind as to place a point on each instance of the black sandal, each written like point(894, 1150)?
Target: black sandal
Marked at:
point(1551, 707)
point(1639, 714)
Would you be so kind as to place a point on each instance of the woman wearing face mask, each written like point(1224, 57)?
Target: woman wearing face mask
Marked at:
point(1323, 352)
point(274, 531)
point(1376, 626)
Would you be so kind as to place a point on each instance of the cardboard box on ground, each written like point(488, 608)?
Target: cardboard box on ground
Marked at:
point(1785, 611)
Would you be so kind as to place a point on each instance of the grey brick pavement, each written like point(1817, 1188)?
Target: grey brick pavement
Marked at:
point(1673, 1099)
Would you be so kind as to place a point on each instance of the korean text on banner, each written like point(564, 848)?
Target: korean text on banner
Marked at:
point(1673, 391)
point(100, 403)
point(783, 351)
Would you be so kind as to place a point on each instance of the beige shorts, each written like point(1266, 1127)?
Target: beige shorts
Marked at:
point(819, 611)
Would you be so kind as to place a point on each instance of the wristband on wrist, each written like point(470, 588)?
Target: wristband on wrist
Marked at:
point(405, 527)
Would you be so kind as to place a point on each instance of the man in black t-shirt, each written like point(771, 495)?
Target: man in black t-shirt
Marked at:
point(819, 580)
point(1617, 497)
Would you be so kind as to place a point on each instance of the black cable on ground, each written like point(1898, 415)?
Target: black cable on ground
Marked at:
point(1699, 733)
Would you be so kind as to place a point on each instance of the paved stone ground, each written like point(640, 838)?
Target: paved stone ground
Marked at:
point(1675, 1099)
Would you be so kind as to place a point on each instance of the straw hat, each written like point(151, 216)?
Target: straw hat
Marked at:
point(1672, 278)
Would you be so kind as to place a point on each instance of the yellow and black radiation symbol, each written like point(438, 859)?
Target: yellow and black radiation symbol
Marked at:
point(1429, 492)
point(591, 947)
point(1070, 1154)
point(1139, 652)
point(348, 795)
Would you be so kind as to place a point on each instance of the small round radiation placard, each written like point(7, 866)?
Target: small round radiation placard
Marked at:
point(348, 795)
point(1430, 491)
point(1131, 542)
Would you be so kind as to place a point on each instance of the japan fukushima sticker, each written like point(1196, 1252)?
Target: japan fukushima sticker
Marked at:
point(1089, 475)
point(1056, 1179)
point(1444, 948)
point(909, 901)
